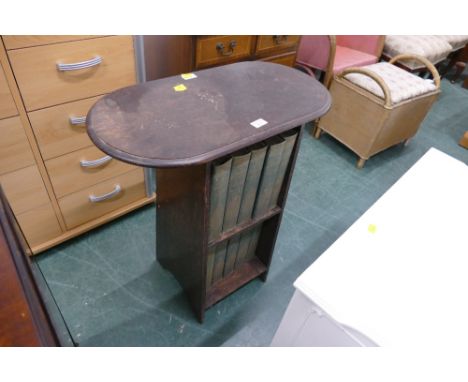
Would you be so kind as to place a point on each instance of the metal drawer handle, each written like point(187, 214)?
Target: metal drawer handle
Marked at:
point(78, 120)
point(220, 48)
point(280, 39)
point(79, 65)
point(96, 162)
point(100, 198)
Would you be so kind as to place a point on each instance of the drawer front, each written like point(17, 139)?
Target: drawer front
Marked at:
point(285, 59)
point(24, 189)
point(59, 129)
point(15, 152)
point(275, 43)
point(221, 49)
point(68, 173)
point(42, 84)
point(77, 208)
point(39, 225)
point(7, 105)
point(15, 42)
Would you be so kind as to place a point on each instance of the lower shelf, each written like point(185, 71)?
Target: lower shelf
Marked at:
point(238, 278)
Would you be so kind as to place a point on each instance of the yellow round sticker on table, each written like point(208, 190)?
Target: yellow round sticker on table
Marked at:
point(372, 228)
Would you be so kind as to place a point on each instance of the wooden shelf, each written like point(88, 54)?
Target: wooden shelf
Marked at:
point(238, 278)
point(184, 135)
point(245, 226)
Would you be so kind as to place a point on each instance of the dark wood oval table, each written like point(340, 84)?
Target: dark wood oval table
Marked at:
point(180, 127)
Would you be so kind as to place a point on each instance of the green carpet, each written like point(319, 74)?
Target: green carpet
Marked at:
point(112, 292)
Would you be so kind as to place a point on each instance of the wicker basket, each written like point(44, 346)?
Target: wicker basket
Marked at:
point(368, 124)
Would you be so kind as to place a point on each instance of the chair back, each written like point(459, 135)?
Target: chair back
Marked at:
point(314, 51)
point(368, 44)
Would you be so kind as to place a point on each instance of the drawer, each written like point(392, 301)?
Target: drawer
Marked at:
point(284, 59)
point(58, 129)
point(15, 151)
point(77, 208)
point(275, 43)
point(7, 104)
point(69, 174)
point(15, 42)
point(42, 84)
point(221, 49)
point(24, 189)
point(39, 225)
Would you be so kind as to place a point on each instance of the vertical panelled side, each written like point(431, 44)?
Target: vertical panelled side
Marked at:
point(182, 228)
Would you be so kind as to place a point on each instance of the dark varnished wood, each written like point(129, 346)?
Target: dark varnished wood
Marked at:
point(245, 226)
point(25, 319)
point(219, 50)
point(242, 275)
point(181, 226)
point(182, 133)
point(17, 325)
point(152, 125)
point(166, 56)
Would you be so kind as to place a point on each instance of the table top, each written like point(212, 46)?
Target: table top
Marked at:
point(177, 122)
point(399, 273)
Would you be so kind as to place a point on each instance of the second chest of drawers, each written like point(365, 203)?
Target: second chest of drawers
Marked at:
point(219, 50)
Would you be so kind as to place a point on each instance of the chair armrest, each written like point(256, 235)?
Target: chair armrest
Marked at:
point(422, 60)
point(376, 78)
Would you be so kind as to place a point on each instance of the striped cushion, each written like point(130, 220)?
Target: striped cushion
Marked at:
point(433, 48)
point(402, 84)
point(455, 41)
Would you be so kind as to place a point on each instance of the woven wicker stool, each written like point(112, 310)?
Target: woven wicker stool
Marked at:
point(378, 106)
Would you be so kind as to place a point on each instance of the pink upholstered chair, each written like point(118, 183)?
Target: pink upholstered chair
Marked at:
point(333, 54)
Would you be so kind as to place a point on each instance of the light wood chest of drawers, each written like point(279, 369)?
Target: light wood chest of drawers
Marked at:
point(58, 183)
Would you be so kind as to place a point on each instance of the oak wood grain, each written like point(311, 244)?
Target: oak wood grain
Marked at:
point(35, 70)
point(55, 134)
point(273, 44)
point(207, 53)
point(67, 175)
point(78, 209)
point(39, 224)
point(15, 152)
point(24, 189)
point(85, 227)
point(7, 104)
point(20, 41)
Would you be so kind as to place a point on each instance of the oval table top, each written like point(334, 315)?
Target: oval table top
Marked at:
point(161, 124)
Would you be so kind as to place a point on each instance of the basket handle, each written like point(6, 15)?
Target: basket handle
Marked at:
point(376, 78)
point(422, 60)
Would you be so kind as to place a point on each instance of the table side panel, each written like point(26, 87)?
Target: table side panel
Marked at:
point(181, 227)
